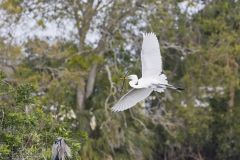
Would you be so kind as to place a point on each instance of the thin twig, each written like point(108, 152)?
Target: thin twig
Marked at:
point(138, 120)
point(2, 118)
point(124, 78)
point(112, 92)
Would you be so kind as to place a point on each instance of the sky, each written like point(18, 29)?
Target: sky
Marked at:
point(28, 27)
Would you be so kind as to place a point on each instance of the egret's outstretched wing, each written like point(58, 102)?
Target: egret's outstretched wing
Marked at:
point(150, 56)
point(131, 98)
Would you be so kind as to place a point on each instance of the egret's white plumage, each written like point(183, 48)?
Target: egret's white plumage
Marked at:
point(150, 56)
point(131, 98)
point(152, 77)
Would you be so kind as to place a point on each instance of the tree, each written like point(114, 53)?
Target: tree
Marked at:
point(75, 78)
point(27, 131)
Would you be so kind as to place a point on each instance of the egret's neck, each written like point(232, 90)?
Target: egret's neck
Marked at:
point(133, 82)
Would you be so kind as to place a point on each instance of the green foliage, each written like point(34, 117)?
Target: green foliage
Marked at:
point(41, 23)
point(22, 94)
point(83, 62)
point(12, 6)
point(26, 129)
point(38, 99)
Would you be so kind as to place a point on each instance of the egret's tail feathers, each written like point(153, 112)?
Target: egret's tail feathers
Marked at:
point(161, 87)
point(175, 88)
point(180, 89)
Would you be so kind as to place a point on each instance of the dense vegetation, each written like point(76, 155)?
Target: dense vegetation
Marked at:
point(65, 86)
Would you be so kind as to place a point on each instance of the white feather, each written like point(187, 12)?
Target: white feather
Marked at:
point(131, 98)
point(152, 77)
point(150, 56)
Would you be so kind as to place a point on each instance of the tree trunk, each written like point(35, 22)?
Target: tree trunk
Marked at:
point(80, 99)
point(231, 98)
point(91, 80)
point(83, 26)
point(85, 90)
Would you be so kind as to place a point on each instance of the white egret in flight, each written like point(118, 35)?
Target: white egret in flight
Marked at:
point(152, 77)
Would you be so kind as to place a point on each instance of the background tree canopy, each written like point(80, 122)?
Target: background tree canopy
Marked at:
point(60, 65)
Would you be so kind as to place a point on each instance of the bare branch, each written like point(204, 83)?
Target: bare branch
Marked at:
point(184, 51)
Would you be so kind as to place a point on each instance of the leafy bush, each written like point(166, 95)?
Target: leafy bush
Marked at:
point(27, 131)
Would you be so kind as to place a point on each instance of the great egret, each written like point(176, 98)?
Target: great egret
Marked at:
point(60, 150)
point(152, 77)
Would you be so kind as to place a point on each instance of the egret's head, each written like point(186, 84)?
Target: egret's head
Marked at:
point(133, 80)
point(133, 77)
